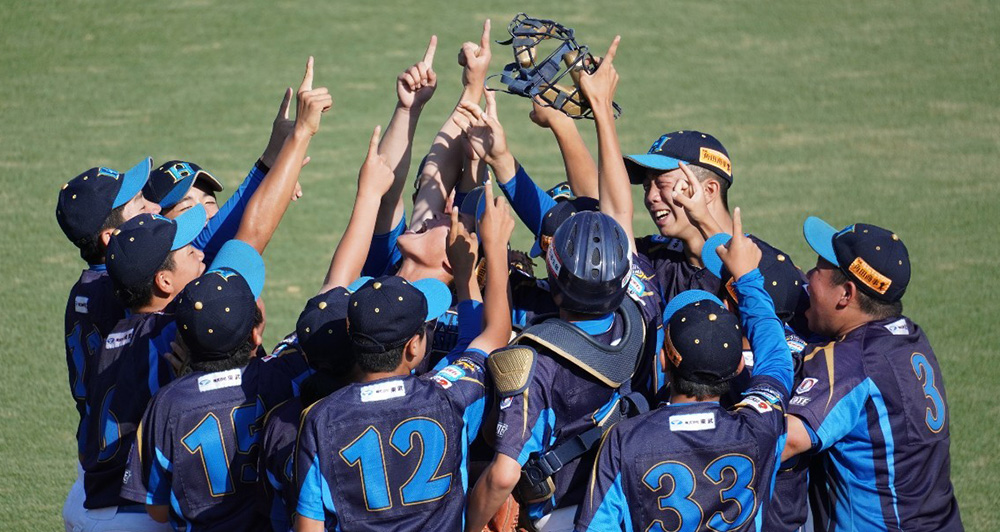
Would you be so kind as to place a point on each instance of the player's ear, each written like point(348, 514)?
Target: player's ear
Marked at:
point(849, 294)
point(413, 352)
point(163, 281)
point(663, 358)
point(711, 188)
point(105, 236)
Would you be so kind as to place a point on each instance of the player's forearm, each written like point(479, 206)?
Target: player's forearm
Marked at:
point(581, 170)
point(764, 330)
point(396, 148)
point(497, 303)
point(267, 206)
point(485, 499)
point(614, 187)
point(441, 170)
point(304, 524)
point(348, 259)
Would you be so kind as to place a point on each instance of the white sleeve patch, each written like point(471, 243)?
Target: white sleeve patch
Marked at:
point(757, 403)
point(898, 328)
point(80, 304)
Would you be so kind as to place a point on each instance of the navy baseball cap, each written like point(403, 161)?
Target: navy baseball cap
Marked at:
point(704, 335)
point(783, 280)
point(384, 313)
point(874, 258)
point(173, 179)
point(690, 147)
point(138, 248)
point(322, 330)
point(87, 200)
point(215, 312)
point(555, 217)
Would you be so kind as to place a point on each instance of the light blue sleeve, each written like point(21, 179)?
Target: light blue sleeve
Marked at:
point(223, 226)
point(528, 200)
point(764, 330)
point(383, 253)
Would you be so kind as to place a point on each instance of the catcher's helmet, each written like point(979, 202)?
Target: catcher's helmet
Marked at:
point(588, 264)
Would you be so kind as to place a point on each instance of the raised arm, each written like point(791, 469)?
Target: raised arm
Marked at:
point(268, 205)
point(613, 184)
point(495, 228)
point(581, 170)
point(374, 179)
point(414, 88)
point(443, 166)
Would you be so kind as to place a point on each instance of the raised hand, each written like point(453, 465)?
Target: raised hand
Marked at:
point(475, 59)
point(496, 224)
point(482, 128)
point(416, 85)
point(599, 87)
point(280, 129)
point(690, 194)
point(546, 116)
point(741, 255)
point(375, 176)
point(311, 103)
point(462, 248)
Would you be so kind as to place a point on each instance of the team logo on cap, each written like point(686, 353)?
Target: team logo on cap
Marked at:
point(717, 159)
point(180, 171)
point(658, 145)
point(225, 274)
point(107, 172)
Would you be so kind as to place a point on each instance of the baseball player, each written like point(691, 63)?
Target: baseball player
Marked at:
point(89, 208)
point(691, 464)
point(195, 458)
point(873, 398)
point(356, 465)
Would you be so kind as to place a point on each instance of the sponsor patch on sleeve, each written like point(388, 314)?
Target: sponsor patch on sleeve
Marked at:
point(381, 391)
point(118, 339)
point(506, 402)
point(80, 304)
point(806, 385)
point(452, 373)
point(757, 403)
point(766, 393)
point(692, 422)
point(442, 382)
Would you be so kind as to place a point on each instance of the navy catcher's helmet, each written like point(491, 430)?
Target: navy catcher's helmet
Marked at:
point(588, 264)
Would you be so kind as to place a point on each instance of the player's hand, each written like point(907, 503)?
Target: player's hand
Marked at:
point(690, 194)
point(599, 87)
point(375, 177)
point(311, 103)
point(496, 224)
point(280, 129)
point(178, 355)
point(462, 249)
point(741, 255)
point(548, 117)
point(482, 128)
point(415, 86)
point(475, 59)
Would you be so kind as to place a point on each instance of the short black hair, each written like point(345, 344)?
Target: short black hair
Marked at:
point(319, 385)
point(702, 392)
point(141, 293)
point(385, 361)
point(877, 310)
point(703, 174)
point(92, 249)
point(238, 357)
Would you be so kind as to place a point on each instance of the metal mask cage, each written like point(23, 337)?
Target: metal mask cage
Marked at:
point(529, 77)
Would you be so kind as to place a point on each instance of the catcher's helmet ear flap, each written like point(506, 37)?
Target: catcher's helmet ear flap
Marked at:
point(588, 264)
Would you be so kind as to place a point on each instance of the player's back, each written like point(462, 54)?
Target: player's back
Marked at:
point(391, 454)
point(200, 443)
point(886, 428)
point(690, 466)
point(275, 467)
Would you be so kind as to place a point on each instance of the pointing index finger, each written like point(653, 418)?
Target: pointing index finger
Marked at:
point(612, 50)
point(373, 143)
point(283, 108)
point(737, 223)
point(307, 80)
point(429, 54)
point(484, 41)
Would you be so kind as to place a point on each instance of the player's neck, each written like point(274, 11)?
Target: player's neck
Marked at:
point(693, 242)
point(156, 304)
point(401, 371)
point(412, 270)
point(678, 398)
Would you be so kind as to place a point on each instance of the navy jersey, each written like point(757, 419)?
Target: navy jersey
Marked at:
point(198, 443)
point(560, 402)
point(275, 464)
point(672, 273)
point(121, 380)
point(875, 400)
point(391, 453)
point(698, 466)
point(92, 311)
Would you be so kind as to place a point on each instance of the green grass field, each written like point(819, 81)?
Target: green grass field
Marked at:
point(881, 111)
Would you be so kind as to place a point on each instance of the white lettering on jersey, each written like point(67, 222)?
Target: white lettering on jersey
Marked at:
point(501, 429)
point(380, 391)
point(81, 304)
point(898, 328)
point(220, 379)
point(691, 422)
point(118, 339)
point(800, 401)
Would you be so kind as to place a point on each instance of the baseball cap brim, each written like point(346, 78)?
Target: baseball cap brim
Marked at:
point(213, 183)
point(536, 249)
point(132, 182)
point(684, 299)
point(189, 225)
point(438, 297)
point(819, 235)
point(635, 163)
point(711, 259)
point(242, 258)
point(358, 283)
point(177, 193)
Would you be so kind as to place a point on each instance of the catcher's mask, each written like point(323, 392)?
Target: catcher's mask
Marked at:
point(529, 77)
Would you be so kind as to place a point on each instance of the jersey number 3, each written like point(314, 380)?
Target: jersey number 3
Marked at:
point(934, 418)
point(731, 475)
point(424, 485)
